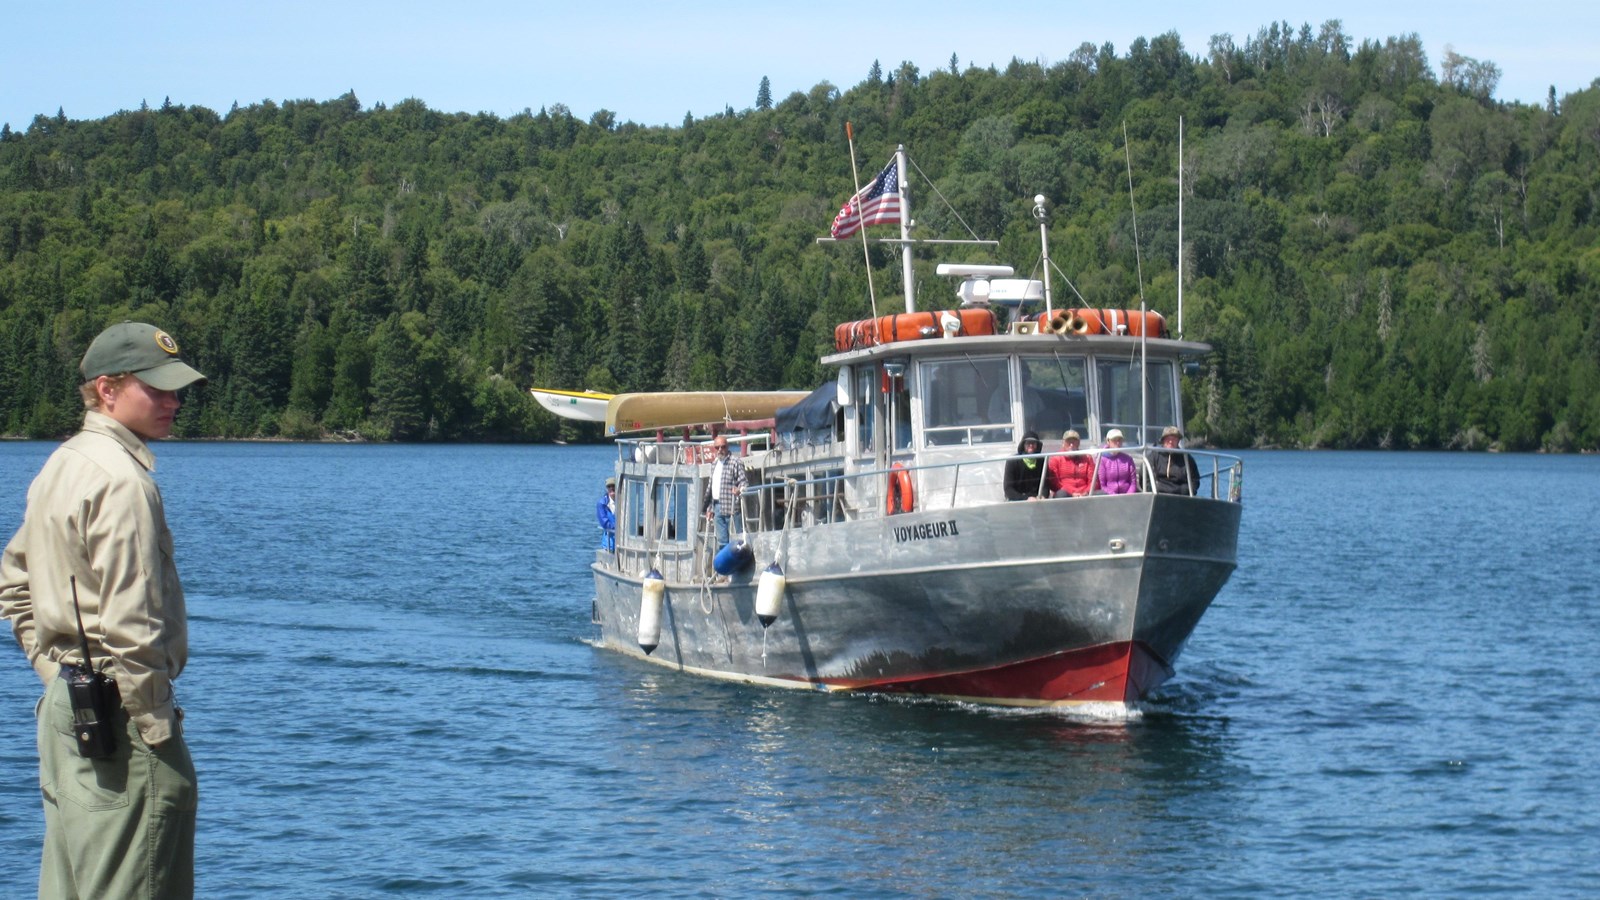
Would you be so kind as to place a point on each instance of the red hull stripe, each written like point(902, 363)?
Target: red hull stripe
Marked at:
point(1122, 672)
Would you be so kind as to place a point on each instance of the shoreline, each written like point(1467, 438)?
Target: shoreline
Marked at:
point(361, 441)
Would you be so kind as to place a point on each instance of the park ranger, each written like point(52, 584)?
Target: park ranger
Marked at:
point(89, 587)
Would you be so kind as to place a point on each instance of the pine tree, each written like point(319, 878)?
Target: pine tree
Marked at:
point(352, 374)
point(397, 396)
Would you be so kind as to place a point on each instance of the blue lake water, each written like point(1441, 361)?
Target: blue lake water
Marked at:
point(390, 693)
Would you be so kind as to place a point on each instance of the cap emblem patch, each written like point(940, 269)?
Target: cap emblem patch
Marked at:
point(165, 342)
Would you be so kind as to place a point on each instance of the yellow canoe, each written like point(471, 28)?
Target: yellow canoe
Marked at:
point(584, 406)
point(675, 409)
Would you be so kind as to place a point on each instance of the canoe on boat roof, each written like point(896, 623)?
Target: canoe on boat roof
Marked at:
point(673, 409)
point(582, 406)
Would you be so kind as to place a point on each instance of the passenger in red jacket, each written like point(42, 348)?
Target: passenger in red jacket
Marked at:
point(1070, 475)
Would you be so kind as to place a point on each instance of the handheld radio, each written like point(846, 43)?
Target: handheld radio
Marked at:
point(92, 695)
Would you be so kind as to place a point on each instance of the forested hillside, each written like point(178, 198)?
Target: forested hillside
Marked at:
point(1381, 254)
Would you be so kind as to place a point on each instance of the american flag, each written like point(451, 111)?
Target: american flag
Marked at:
point(876, 204)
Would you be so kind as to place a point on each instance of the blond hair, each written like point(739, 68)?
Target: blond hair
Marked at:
point(90, 391)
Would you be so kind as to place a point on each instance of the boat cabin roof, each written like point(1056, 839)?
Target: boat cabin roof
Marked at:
point(1020, 344)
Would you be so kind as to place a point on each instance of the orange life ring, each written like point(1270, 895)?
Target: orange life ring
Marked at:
point(901, 498)
point(910, 327)
point(1118, 321)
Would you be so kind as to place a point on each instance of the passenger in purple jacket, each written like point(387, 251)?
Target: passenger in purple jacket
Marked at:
point(1117, 472)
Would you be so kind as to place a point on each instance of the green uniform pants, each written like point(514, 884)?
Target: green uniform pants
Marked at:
point(118, 827)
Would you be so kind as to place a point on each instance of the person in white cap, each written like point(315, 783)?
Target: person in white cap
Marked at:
point(1116, 473)
point(120, 799)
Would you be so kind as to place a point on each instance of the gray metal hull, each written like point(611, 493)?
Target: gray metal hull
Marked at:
point(1033, 603)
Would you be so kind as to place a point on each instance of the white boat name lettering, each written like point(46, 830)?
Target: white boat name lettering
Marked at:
point(926, 531)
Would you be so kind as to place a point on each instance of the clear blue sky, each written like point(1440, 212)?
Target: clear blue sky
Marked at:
point(652, 62)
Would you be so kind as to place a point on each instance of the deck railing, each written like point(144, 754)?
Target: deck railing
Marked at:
point(776, 500)
point(823, 498)
point(688, 452)
point(826, 498)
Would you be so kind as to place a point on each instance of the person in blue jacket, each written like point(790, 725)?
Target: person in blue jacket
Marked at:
point(606, 512)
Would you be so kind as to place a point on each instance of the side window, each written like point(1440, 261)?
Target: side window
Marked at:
point(866, 395)
point(633, 507)
point(900, 406)
point(670, 513)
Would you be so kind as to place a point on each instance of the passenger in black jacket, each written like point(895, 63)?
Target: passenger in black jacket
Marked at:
point(1023, 476)
point(1174, 470)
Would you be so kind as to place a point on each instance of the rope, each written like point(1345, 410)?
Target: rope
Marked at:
point(947, 204)
point(866, 250)
point(790, 513)
point(707, 530)
point(1133, 209)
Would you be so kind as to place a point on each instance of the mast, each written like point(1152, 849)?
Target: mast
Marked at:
point(1043, 215)
point(908, 275)
point(1180, 228)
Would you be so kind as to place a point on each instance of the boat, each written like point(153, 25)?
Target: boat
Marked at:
point(875, 550)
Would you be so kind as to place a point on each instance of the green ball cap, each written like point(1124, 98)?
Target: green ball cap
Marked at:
point(144, 350)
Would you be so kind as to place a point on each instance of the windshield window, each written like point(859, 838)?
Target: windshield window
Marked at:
point(966, 401)
point(1118, 383)
point(1054, 397)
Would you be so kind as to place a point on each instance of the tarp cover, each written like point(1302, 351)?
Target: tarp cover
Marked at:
point(811, 421)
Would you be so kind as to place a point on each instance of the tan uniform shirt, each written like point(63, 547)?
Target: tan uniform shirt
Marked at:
point(95, 513)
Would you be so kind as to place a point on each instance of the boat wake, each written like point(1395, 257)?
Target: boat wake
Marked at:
point(1089, 712)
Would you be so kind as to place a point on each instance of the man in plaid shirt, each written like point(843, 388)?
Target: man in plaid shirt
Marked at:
point(727, 483)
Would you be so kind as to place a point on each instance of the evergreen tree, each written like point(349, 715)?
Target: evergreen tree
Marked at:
point(397, 396)
point(352, 375)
